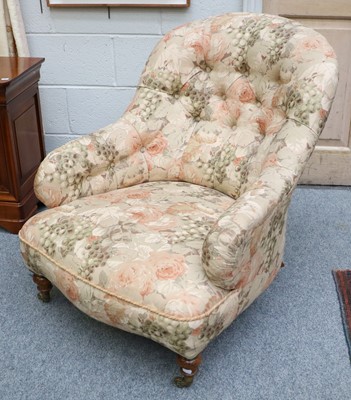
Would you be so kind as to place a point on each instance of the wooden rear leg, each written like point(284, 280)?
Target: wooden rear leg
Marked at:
point(188, 369)
point(44, 286)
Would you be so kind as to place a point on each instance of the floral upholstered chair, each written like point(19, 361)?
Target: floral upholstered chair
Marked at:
point(170, 222)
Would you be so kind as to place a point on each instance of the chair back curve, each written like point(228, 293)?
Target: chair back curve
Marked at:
point(220, 100)
point(215, 95)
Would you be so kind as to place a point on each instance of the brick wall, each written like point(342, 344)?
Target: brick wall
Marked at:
point(93, 63)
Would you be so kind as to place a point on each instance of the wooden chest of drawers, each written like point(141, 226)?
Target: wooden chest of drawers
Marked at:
point(21, 139)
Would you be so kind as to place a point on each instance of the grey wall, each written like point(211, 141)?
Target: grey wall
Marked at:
point(93, 63)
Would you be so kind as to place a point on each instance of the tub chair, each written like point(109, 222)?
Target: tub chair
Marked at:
point(170, 222)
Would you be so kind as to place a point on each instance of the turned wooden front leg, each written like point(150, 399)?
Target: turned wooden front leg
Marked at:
point(188, 369)
point(44, 286)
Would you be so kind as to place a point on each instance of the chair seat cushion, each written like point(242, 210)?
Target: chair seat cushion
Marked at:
point(133, 254)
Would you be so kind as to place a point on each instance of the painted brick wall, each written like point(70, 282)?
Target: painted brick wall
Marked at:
point(93, 63)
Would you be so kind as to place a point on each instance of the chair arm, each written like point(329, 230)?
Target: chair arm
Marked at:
point(102, 161)
point(248, 239)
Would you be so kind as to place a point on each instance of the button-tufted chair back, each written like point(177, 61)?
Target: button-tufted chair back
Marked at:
point(218, 101)
point(215, 93)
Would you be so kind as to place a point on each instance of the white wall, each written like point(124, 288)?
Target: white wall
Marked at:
point(93, 63)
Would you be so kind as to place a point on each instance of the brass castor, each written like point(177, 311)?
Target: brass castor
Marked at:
point(44, 286)
point(188, 369)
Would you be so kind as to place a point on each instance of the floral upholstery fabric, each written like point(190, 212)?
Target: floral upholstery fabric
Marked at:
point(138, 246)
point(171, 221)
point(144, 242)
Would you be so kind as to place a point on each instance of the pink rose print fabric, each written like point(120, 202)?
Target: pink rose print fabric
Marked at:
point(171, 221)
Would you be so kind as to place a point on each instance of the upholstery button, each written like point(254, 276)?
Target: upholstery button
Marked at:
point(142, 149)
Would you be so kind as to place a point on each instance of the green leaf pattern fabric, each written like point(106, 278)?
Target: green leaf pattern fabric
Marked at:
point(169, 222)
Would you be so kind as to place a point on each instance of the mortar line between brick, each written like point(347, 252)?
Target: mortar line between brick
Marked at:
point(67, 86)
point(85, 34)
